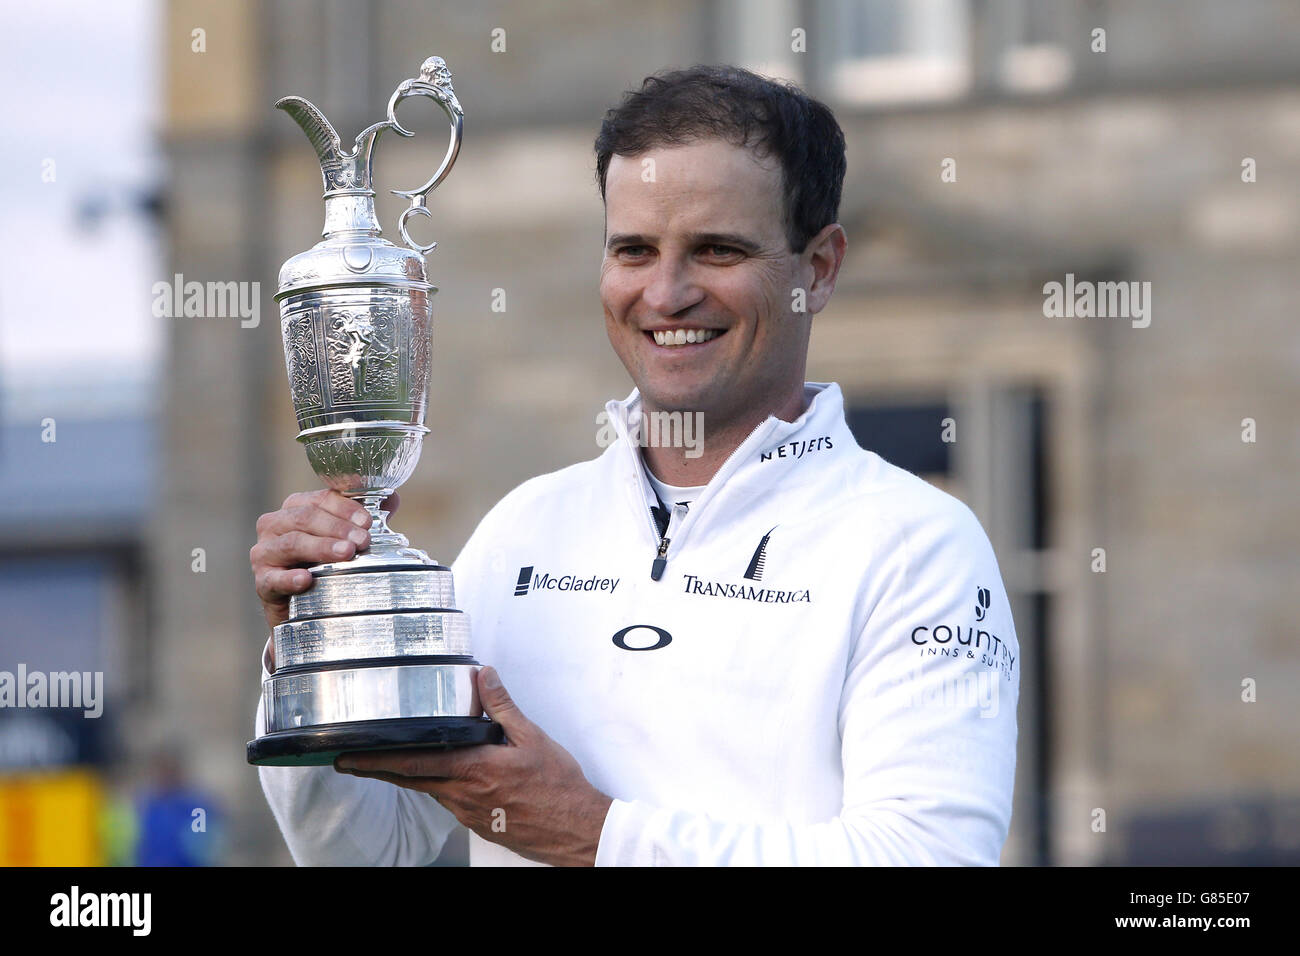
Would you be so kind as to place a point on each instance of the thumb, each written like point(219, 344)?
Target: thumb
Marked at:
point(498, 705)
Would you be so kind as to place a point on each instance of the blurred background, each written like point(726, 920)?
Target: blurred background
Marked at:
point(1138, 484)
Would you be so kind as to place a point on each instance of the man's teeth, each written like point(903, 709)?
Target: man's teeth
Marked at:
point(685, 336)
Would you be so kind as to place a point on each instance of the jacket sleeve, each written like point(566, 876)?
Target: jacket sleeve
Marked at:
point(334, 819)
point(927, 725)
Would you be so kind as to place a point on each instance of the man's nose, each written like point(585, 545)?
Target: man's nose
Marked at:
point(671, 288)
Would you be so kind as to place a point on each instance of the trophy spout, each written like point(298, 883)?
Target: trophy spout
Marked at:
point(319, 130)
point(348, 177)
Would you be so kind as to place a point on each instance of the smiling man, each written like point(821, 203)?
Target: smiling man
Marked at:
point(699, 284)
point(797, 653)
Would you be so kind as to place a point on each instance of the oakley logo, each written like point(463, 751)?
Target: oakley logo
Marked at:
point(642, 637)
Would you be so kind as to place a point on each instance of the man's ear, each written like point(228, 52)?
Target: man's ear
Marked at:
point(821, 259)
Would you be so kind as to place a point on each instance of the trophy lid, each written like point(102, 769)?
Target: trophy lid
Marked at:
point(359, 257)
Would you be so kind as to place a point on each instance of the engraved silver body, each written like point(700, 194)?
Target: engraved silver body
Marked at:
point(378, 637)
point(347, 593)
point(368, 636)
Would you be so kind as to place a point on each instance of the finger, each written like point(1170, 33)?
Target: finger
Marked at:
point(498, 705)
point(314, 520)
point(441, 764)
point(348, 509)
point(274, 584)
point(298, 548)
point(409, 783)
point(443, 792)
point(330, 500)
point(321, 496)
point(390, 503)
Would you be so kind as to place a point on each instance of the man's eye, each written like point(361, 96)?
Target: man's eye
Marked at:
point(723, 252)
point(633, 251)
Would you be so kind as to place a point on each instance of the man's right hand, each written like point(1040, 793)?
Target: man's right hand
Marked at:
point(310, 528)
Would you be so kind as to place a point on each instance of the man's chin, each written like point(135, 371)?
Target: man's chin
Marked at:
point(678, 399)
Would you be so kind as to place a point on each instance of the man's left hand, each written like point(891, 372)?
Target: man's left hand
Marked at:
point(528, 795)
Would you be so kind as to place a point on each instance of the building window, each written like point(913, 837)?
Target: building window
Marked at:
point(1030, 55)
point(896, 51)
point(899, 52)
point(906, 435)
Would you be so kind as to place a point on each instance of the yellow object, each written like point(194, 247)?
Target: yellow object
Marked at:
point(51, 819)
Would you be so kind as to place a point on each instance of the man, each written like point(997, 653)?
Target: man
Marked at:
point(797, 654)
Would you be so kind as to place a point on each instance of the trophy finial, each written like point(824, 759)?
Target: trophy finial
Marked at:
point(434, 70)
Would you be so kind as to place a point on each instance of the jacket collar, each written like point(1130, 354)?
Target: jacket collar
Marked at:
point(774, 453)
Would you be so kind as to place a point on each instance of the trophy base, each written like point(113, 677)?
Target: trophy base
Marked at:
point(318, 746)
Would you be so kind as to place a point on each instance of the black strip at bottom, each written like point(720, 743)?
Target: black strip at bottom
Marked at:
point(318, 746)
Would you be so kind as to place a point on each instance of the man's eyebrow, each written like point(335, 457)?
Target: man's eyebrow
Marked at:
point(724, 239)
point(695, 238)
point(626, 239)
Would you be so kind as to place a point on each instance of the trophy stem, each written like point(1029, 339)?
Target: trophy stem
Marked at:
point(379, 530)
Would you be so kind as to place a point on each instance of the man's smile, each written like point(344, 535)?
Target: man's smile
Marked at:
point(676, 338)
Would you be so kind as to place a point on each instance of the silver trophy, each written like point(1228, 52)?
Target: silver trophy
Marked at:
point(375, 654)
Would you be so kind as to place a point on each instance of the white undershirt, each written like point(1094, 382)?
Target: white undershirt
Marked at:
point(673, 494)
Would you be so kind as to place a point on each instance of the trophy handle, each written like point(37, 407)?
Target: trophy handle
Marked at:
point(434, 82)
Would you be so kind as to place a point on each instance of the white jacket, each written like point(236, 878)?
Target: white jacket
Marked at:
point(826, 672)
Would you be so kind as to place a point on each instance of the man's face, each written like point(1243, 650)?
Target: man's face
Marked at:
point(696, 248)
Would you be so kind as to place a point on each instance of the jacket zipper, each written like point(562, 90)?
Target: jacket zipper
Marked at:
point(661, 554)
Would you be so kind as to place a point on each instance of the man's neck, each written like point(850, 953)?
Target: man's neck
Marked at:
point(714, 444)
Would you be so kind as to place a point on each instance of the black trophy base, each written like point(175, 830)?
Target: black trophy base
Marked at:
point(318, 746)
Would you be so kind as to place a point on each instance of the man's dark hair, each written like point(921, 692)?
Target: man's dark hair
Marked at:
point(773, 118)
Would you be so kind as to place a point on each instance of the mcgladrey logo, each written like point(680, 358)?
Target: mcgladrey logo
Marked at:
point(531, 580)
point(75, 908)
